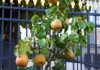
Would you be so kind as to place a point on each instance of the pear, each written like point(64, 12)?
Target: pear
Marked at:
point(56, 24)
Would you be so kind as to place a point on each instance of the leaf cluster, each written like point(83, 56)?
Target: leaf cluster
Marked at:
point(76, 33)
point(59, 65)
point(54, 43)
point(23, 47)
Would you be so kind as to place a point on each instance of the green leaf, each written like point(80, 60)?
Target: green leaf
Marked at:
point(58, 65)
point(36, 50)
point(24, 48)
point(61, 18)
point(87, 30)
point(74, 27)
point(82, 25)
point(60, 13)
point(47, 26)
point(41, 34)
point(32, 32)
point(41, 42)
point(73, 38)
point(65, 26)
point(67, 8)
point(20, 42)
point(61, 45)
point(28, 47)
point(51, 42)
point(91, 26)
point(45, 50)
point(39, 23)
point(74, 20)
point(47, 10)
point(16, 52)
point(83, 40)
point(74, 46)
point(56, 37)
point(53, 9)
point(34, 18)
point(77, 52)
point(29, 43)
point(63, 36)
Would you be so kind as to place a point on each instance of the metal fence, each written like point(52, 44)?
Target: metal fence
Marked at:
point(11, 16)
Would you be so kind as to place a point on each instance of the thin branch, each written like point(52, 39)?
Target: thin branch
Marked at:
point(66, 48)
point(49, 61)
point(52, 57)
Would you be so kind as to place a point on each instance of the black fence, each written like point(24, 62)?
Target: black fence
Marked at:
point(13, 16)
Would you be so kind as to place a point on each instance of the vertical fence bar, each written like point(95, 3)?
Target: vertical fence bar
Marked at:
point(71, 23)
point(1, 37)
point(77, 63)
point(95, 41)
point(88, 45)
point(2, 28)
point(1, 44)
point(81, 59)
point(26, 19)
point(18, 35)
point(34, 44)
point(81, 54)
point(10, 38)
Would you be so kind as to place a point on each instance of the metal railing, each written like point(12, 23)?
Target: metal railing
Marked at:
point(9, 21)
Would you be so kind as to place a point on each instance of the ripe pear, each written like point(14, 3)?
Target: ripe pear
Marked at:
point(39, 60)
point(22, 60)
point(69, 54)
point(52, 1)
point(56, 24)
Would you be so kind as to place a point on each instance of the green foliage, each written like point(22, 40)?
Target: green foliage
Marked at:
point(34, 18)
point(61, 40)
point(45, 50)
point(23, 47)
point(64, 7)
point(77, 51)
point(74, 38)
point(82, 25)
point(58, 65)
point(41, 42)
point(83, 40)
point(56, 42)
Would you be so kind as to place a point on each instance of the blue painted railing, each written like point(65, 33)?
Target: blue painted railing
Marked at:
point(7, 59)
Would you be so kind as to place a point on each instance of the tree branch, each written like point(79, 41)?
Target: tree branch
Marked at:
point(49, 61)
point(65, 48)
